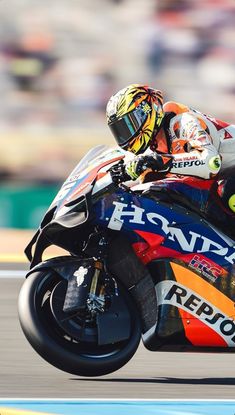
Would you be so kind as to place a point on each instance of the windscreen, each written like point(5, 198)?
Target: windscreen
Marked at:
point(85, 173)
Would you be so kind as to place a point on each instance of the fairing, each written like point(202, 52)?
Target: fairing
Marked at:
point(190, 260)
point(195, 291)
point(69, 213)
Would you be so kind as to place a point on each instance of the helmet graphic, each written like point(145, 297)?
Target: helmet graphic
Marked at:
point(134, 116)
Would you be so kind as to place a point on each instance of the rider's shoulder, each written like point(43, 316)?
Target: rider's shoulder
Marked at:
point(175, 107)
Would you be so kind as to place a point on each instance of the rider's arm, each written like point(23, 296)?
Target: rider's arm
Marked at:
point(200, 158)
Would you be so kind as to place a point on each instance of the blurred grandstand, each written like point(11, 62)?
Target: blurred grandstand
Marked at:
point(61, 60)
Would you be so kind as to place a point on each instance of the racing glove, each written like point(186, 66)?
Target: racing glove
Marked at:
point(139, 164)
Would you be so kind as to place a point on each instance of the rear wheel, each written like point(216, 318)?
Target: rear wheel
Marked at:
point(73, 341)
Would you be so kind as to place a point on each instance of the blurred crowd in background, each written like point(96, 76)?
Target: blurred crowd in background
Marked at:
point(61, 60)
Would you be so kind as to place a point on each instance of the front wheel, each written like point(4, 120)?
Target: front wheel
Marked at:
point(69, 341)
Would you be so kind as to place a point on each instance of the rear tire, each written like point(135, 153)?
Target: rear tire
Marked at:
point(60, 348)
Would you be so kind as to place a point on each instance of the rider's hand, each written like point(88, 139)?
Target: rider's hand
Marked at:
point(118, 173)
point(139, 164)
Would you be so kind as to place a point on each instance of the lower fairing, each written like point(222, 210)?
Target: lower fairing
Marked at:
point(193, 314)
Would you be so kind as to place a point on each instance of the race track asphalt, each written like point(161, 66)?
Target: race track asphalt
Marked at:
point(23, 374)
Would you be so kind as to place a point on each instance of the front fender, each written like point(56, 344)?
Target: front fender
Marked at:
point(64, 265)
point(77, 271)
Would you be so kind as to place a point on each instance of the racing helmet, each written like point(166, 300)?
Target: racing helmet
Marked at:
point(134, 116)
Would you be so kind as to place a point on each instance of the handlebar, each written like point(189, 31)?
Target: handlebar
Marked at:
point(118, 172)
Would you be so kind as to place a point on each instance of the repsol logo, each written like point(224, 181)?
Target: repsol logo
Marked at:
point(189, 163)
point(187, 241)
point(172, 293)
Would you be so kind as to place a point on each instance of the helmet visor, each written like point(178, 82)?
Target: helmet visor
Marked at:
point(128, 126)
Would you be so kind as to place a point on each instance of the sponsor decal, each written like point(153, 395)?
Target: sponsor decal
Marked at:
point(205, 268)
point(80, 275)
point(187, 163)
point(189, 158)
point(175, 294)
point(188, 241)
point(215, 163)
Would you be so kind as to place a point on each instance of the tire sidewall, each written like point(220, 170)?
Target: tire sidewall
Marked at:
point(56, 354)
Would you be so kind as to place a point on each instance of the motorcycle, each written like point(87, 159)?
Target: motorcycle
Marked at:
point(144, 262)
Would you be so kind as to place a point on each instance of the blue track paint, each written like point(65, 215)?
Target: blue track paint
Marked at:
point(124, 407)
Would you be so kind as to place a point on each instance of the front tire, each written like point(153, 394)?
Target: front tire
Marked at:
point(60, 347)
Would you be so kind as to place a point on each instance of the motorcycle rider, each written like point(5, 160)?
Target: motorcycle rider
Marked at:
point(171, 138)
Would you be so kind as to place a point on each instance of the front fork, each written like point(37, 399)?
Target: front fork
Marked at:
point(94, 282)
point(83, 285)
point(96, 295)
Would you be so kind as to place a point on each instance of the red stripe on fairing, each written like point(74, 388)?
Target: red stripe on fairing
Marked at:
point(153, 239)
point(197, 183)
point(193, 182)
point(152, 249)
point(147, 251)
point(198, 333)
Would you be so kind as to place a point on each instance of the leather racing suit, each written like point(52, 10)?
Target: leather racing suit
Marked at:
point(202, 145)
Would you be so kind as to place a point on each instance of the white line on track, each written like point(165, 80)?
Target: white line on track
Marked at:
point(12, 273)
